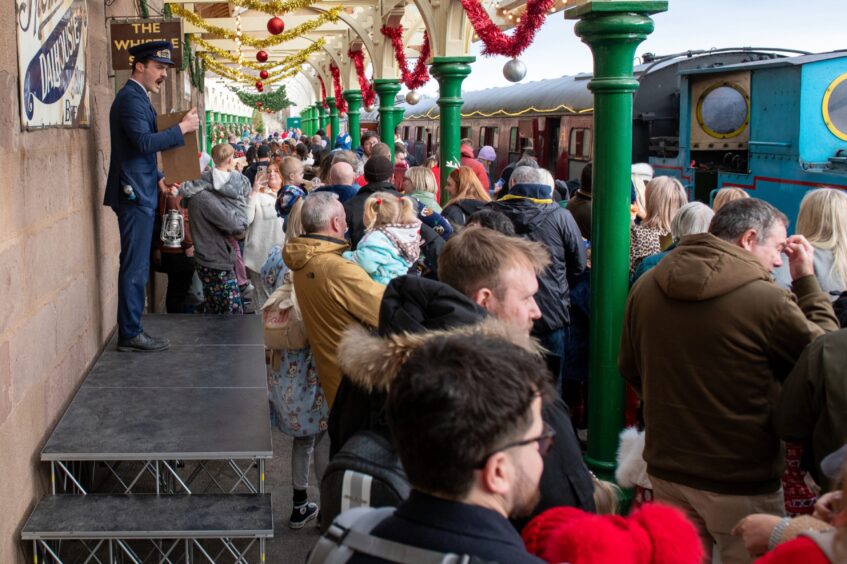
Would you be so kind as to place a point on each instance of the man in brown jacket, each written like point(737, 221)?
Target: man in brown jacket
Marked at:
point(333, 292)
point(707, 340)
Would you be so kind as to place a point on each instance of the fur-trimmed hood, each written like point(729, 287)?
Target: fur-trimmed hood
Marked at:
point(372, 363)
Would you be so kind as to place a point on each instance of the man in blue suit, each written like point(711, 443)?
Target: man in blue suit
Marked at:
point(134, 182)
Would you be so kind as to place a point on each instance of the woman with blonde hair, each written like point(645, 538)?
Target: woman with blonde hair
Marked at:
point(420, 184)
point(823, 221)
point(726, 195)
point(467, 196)
point(664, 196)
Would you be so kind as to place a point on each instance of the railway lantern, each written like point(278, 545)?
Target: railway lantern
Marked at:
point(173, 230)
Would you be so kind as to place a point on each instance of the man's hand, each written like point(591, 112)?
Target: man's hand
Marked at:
point(190, 122)
point(168, 189)
point(801, 257)
point(828, 506)
point(756, 531)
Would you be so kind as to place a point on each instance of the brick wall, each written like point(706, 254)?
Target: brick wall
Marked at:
point(59, 252)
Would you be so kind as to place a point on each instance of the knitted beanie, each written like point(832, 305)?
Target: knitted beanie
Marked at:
point(378, 169)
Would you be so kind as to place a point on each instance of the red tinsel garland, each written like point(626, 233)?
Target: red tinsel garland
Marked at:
point(498, 43)
point(323, 94)
point(367, 86)
point(340, 102)
point(420, 75)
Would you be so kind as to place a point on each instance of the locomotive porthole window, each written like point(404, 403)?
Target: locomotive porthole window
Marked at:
point(835, 107)
point(723, 110)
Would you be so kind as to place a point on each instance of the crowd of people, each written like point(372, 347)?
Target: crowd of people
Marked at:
point(730, 347)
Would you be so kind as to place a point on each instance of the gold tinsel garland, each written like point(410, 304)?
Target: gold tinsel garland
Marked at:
point(296, 59)
point(274, 8)
point(238, 76)
point(311, 25)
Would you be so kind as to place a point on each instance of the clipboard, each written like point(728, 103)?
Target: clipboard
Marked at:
point(180, 163)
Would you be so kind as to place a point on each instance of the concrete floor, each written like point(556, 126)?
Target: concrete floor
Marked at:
point(288, 545)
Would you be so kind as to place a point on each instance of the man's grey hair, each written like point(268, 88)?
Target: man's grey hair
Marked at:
point(736, 217)
point(524, 175)
point(527, 161)
point(690, 219)
point(317, 211)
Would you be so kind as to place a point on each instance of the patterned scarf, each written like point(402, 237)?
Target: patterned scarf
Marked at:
point(406, 237)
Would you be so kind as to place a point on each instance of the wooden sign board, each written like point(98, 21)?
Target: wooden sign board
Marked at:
point(129, 34)
point(180, 163)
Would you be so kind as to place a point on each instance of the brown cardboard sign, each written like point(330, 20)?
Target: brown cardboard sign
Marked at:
point(128, 34)
point(180, 163)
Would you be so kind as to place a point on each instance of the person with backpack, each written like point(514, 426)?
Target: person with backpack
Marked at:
point(464, 410)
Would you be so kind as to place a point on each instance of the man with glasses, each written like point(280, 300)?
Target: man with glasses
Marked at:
point(465, 414)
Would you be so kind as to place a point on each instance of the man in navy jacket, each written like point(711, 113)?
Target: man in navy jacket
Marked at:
point(134, 182)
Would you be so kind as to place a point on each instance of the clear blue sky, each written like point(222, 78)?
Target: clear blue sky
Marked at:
point(809, 25)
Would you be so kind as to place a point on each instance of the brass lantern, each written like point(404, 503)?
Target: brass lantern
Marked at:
point(173, 229)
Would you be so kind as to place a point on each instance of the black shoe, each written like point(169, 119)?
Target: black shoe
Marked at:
point(143, 343)
point(302, 514)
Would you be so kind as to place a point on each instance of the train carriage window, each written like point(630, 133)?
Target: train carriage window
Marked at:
point(579, 146)
point(465, 132)
point(406, 132)
point(835, 107)
point(514, 140)
point(723, 110)
point(489, 136)
point(419, 134)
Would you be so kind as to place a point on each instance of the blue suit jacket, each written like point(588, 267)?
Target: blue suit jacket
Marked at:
point(135, 142)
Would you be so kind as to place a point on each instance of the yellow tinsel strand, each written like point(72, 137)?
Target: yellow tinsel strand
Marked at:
point(274, 8)
point(290, 61)
point(238, 76)
point(306, 27)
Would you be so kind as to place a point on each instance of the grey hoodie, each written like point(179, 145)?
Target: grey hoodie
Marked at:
point(215, 215)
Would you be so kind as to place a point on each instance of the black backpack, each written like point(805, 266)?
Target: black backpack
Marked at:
point(366, 472)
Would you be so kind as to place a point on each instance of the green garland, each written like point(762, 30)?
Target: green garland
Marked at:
point(274, 101)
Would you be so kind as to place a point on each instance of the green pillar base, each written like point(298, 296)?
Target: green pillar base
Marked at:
point(354, 104)
point(450, 73)
point(333, 122)
point(613, 30)
point(387, 89)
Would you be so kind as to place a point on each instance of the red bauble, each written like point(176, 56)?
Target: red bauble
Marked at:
point(259, 84)
point(276, 25)
point(263, 74)
point(258, 105)
point(261, 56)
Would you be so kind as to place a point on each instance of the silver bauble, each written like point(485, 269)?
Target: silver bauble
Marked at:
point(369, 109)
point(412, 97)
point(514, 70)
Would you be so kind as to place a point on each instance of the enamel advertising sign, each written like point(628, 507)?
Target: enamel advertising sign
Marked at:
point(52, 47)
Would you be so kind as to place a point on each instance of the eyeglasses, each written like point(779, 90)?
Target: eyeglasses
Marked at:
point(545, 443)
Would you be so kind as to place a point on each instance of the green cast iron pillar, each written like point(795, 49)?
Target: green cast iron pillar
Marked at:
point(305, 117)
point(323, 120)
point(387, 89)
point(333, 121)
point(316, 123)
point(450, 72)
point(612, 30)
point(354, 104)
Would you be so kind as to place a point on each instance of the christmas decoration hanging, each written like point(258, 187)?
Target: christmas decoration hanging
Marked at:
point(340, 102)
point(330, 15)
point(259, 84)
point(274, 7)
point(413, 97)
point(366, 86)
point(238, 76)
point(290, 61)
point(514, 70)
point(272, 100)
point(420, 75)
point(323, 94)
point(276, 25)
point(498, 43)
point(261, 56)
point(263, 74)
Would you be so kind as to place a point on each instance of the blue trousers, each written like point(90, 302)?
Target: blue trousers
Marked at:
point(136, 227)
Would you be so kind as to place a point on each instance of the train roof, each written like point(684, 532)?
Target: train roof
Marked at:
point(780, 62)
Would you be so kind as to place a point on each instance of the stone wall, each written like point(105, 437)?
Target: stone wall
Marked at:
point(59, 252)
